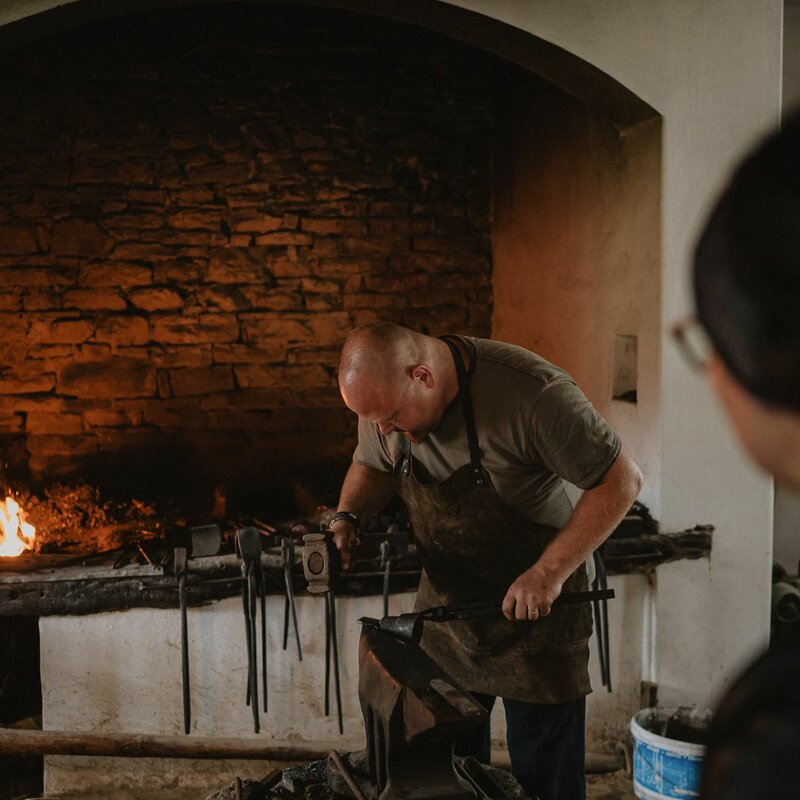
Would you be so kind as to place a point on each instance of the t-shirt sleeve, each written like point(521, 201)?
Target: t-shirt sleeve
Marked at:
point(371, 450)
point(570, 436)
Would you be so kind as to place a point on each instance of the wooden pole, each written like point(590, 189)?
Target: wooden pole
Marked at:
point(134, 745)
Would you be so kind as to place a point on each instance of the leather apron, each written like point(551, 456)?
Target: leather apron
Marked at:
point(472, 546)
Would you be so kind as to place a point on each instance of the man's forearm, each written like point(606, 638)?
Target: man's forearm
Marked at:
point(596, 515)
point(365, 491)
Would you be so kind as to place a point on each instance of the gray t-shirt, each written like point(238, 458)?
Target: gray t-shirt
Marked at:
point(535, 427)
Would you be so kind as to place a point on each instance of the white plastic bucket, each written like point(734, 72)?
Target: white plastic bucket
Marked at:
point(663, 768)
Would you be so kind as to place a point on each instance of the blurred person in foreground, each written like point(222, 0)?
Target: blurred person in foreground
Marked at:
point(747, 337)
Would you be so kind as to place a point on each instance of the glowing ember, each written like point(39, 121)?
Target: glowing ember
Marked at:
point(16, 535)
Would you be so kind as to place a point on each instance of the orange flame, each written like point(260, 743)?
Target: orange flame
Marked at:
point(16, 535)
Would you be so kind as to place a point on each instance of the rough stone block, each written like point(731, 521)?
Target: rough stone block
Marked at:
point(224, 174)
point(195, 330)
point(202, 380)
point(37, 276)
point(55, 424)
point(197, 219)
point(11, 423)
point(350, 266)
point(245, 354)
point(141, 220)
point(77, 237)
point(161, 299)
point(284, 238)
point(26, 384)
point(239, 265)
point(107, 378)
point(222, 298)
point(148, 196)
point(270, 329)
point(119, 330)
point(12, 301)
point(179, 270)
point(283, 298)
point(141, 251)
point(60, 331)
point(38, 300)
point(174, 356)
point(256, 223)
point(103, 418)
point(115, 274)
point(288, 267)
point(95, 300)
point(17, 240)
point(333, 226)
point(298, 378)
point(374, 300)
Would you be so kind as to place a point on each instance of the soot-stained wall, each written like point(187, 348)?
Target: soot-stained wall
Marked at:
point(197, 205)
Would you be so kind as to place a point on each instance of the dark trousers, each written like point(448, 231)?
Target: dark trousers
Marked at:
point(545, 742)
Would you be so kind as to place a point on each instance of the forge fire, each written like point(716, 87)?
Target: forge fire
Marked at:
point(16, 535)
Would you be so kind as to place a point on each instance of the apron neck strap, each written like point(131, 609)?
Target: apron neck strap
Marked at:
point(465, 396)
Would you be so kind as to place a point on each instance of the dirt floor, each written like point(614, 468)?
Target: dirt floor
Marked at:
point(610, 786)
point(605, 786)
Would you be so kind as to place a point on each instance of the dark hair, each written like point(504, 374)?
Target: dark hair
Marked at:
point(747, 271)
point(753, 746)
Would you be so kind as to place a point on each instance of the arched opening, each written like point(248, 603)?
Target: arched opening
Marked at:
point(201, 199)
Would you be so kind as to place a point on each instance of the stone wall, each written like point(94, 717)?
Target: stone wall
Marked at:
point(196, 206)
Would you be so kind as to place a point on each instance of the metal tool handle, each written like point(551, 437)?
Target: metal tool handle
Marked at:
point(480, 609)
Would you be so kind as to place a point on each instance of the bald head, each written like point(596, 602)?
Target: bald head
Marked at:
point(380, 354)
point(388, 372)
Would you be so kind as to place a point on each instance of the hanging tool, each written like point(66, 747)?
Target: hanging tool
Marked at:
point(600, 609)
point(287, 556)
point(248, 545)
point(386, 563)
point(261, 576)
point(332, 653)
point(321, 565)
point(181, 572)
point(408, 627)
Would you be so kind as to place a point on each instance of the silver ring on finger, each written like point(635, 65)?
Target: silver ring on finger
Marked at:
point(533, 613)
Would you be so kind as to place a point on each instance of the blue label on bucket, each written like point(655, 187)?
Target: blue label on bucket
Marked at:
point(664, 774)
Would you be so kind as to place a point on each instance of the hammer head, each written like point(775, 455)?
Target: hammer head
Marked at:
point(320, 561)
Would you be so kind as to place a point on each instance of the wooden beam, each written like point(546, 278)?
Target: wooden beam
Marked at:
point(135, 745)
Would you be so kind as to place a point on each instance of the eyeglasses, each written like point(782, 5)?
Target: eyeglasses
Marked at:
point(693, 342)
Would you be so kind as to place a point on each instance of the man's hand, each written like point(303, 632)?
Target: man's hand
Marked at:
point(365, 491)
point(344, 537)
point(532, 594)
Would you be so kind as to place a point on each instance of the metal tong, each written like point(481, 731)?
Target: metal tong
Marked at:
point(600, 608)
point(181, 573)
point(287, 556)
point(248, 545)
point(332, 651)
point(408, 627)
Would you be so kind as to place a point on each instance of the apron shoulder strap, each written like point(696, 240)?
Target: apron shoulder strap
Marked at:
point(469, 416)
